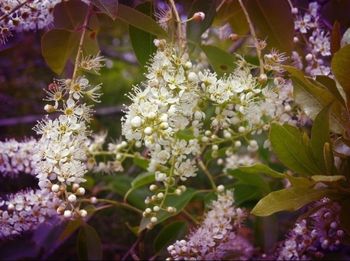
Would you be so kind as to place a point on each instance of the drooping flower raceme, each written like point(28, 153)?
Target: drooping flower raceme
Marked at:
point(26, 210)
point(312, 237)
point(17, 157)
point(217, 237)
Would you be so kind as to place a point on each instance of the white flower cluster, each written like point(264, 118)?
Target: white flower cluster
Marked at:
point(31, 15)
point(309, 27)
point(17, 157)
point(26, 210)
point(217, 237)
point(168, 114)
point(63, 148)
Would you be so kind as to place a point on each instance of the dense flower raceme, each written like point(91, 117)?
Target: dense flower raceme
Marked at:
point(218, 236)
point(309, 28)
point(17, 157)
point(175, 98)
point(313, 236)
point(26, 210)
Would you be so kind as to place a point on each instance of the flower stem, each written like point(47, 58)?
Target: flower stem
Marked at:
point(207, 173)
point(178, 23)
point(253, 33)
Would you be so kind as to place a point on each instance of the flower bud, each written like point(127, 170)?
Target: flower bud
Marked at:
point(198, 17)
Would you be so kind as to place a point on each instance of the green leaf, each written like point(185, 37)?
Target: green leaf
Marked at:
point(122, 184)
point(320, 135)
point(141, 162)
point(221, 61)
point(261, 169)
point(185, 134)
point(57, 46)
point(300, 182)
point(109, 7)
point(330, 84)
point(70, 228)
point(289, 199)
point(89, 244)
point(179, 202)
point(169, 234)
point(287, 143)
point(139, 20)
point(244, 192)
point(194, 30)
point(311, 97)
point(323, 178)
point(142, 180)
point(142, 41)
point(274, 22)
point(341, 68)
point(250, 178)
point(232, 13)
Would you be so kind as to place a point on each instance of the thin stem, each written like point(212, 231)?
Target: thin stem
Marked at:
point(187, 214)
point(14, 10)
point(178, 22)
point(81, 41)
point(220, 5)
point(253, 33)
point(207, 173)
point(121, 204)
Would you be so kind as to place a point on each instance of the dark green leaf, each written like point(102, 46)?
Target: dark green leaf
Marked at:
point(287, 143)
point(185, 134)
point(221, 61)
point(57, 46)
point(70, 14)
point(261, 169)
point(341, 68)
point(142, 180)
point(139, 20)
point(245, 192)
point(169, 234)
point(141, 162)
point(290, 199)
point(70, 228)
point(89, 244)
point(179, 202)
point(142, 41)
point(274, 22)
point(330, 84)
point(109, 7)
point(320, 135)
point(250, 178)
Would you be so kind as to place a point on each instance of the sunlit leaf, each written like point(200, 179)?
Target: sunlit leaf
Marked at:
point(261, 169)
point(341, 68)
point(324, 178)
point(289, 199)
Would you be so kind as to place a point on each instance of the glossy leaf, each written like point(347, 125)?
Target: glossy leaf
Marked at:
point(139, 20)
point(320, 135)
point(330, 84)
point(109, 7)
point(169, 234)
point(244, 192)
point(252, 178)
point(341, 68)
point(141, 162)
point(221, 61)
point(89, 244)
point(142, 41)
point(274, 22)
point(57, 46)
point(70, 228)
point(287, 144)
point(290, 199)
point(179, 202)
point(142, 180)
point(69, 14)
point(261, 169)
